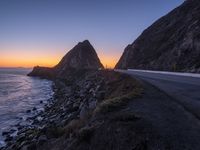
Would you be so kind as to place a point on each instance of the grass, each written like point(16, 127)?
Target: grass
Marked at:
point(112, 104)
point(55, 132)
point(121, 89)
point(125, 117)
point(85, 134)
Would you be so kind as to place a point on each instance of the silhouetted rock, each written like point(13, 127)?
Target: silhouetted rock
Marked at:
point(171, 43)
point(43, 72)
point(82, 57)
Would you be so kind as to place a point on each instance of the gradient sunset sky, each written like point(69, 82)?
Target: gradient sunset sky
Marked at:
point(40, 32)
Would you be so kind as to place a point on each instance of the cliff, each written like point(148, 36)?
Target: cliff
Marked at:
point(172, 43)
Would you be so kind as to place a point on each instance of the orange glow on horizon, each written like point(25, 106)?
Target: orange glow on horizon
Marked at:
point(31, 59)
point(47, 62)
point(28, 59)
point(109, 61)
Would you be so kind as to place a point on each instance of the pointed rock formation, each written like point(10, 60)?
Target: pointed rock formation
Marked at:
point(172, 43)
point(82, 57)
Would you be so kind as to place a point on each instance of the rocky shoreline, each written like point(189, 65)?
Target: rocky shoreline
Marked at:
point(79, 105)
point(25, 123)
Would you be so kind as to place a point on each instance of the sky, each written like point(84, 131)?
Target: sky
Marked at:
point(41, 32)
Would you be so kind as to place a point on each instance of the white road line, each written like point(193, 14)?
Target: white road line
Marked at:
point(196, 75)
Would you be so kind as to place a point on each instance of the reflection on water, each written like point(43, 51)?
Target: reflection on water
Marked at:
point(19, 93)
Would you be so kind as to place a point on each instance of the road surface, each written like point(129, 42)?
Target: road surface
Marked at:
point(171, 106)
point(185, 90)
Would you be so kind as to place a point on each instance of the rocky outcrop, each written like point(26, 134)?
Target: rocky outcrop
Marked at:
point(172, 43)
point(82, 57)
point(43, 72)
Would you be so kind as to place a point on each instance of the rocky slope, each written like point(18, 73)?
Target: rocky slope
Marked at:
point(80, 112)
point(172, 43)
point(82, 56)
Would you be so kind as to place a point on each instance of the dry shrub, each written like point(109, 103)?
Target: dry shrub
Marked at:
point(85, 134)
point(112, 104)
point(121, 88)
point(125, 117)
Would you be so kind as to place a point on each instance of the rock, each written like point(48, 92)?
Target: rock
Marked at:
point(72, 109)
point(97, 88)
point(19, 127)
point(24, 143)
point(92, 104)
point(13, 130)
point(34, 109)
point(39, 118)
point(28, 111)
point(43, 72)
point(82, 57)
point(171, 43)
point(68, 102)
point(31, 146)
point(25, 147)
point(5, 133)
point(76, 104)
point(42, 139)
point(21, 138)
point(8, 138)
point(81, 105)
point(100, 95)
point(83, 112)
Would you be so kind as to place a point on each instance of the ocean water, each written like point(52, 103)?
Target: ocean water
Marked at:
point(19, 93)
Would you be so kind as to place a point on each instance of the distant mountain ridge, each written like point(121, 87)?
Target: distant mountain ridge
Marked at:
point(172, 43)
point(82, 56)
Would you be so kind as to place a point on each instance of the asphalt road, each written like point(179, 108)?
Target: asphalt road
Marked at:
point(184, 90)
point(170, 106)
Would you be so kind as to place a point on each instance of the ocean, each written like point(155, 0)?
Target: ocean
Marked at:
point(19, 93)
